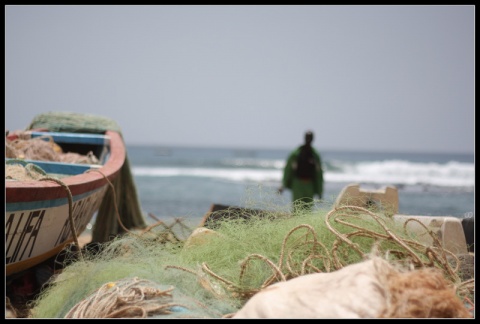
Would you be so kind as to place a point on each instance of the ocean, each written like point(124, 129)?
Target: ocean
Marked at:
point(183, 182)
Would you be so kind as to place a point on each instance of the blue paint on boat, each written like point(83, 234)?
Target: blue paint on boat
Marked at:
point(43, 204)
point(57, 167)
point(74, 138)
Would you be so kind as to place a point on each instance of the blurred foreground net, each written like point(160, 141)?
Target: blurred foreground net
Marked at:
point(220, 272)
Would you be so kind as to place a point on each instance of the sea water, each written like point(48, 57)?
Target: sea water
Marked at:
point(183, 182)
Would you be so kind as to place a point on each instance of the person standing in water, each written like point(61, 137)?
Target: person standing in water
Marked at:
point(303, 175)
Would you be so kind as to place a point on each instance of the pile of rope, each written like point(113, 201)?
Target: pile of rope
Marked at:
point(43, 148)
point(130, 297)
point(23, 172)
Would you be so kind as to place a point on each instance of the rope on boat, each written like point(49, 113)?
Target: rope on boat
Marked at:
point(25, 147)
point(148, 228)
point(127, 198)
point(32, 172)
point(17, 169)
point(114, 199)
point(16, 161)
point(70, 210)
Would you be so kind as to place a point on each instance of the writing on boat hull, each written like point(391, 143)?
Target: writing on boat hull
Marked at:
point(29, 233)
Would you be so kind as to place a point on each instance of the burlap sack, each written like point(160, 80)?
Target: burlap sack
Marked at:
point(369, 289)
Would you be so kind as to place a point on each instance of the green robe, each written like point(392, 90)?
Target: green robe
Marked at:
point(303, 190)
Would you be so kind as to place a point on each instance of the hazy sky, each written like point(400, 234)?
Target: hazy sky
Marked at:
point(398, 78)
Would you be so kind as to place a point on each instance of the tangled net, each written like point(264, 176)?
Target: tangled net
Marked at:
point(307, 254)
point(43, 148)
point(250, 254)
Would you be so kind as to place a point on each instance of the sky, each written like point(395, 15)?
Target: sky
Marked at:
point(362, 78)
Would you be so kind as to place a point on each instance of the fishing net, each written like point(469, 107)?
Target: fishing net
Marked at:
point(217, 273)
point(73, 123)
point(38, 149)
point(27, 172)
point(106, 225)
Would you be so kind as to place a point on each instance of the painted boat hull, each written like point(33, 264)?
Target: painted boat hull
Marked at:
point(37, 221)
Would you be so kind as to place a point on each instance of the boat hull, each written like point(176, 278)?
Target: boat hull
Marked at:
point(37, 218)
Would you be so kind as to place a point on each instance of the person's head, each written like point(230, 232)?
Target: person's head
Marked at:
point(308, 137)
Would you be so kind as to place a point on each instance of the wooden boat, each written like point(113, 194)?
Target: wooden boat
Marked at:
point(38, 213)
